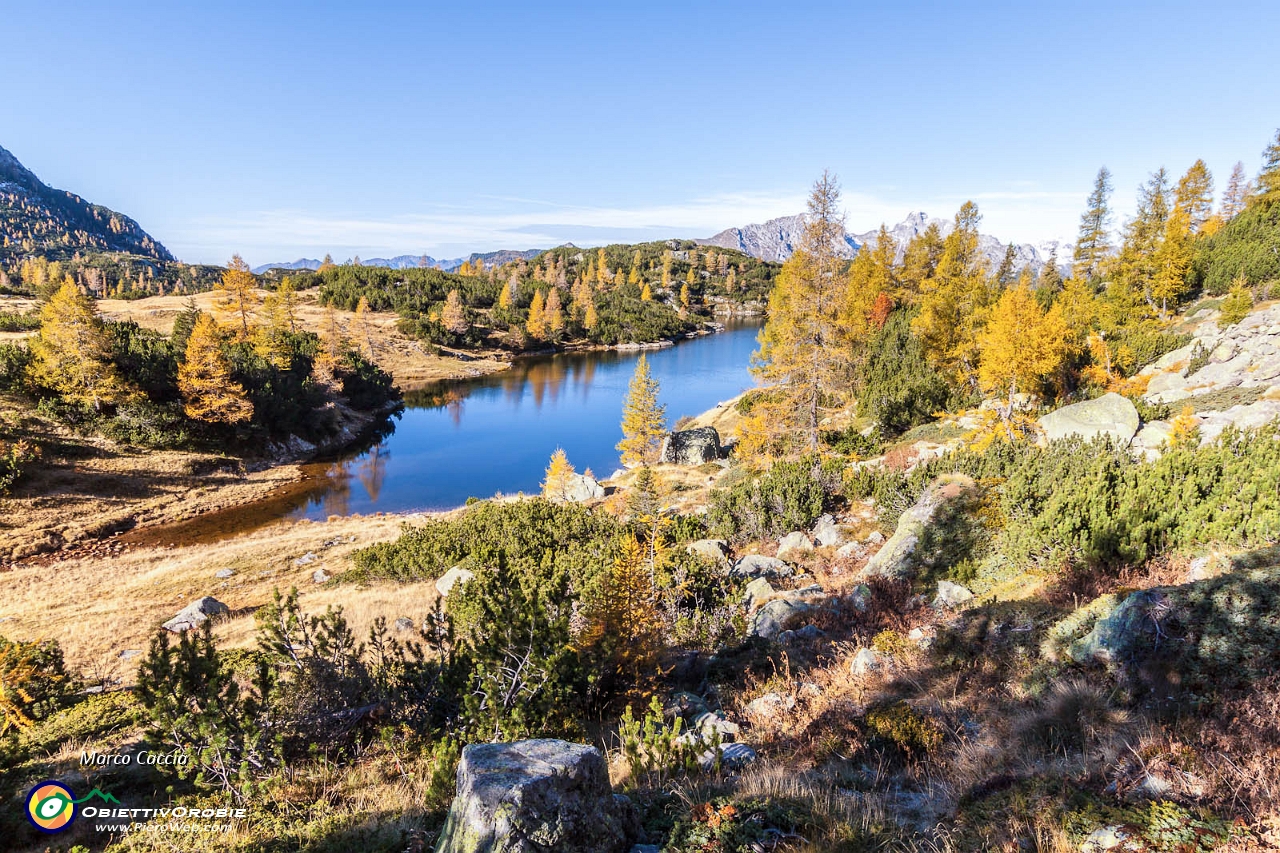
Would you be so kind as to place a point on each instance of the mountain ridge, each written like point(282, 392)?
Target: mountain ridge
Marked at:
point(37, 219)
point(776, 240)
point(400, 262)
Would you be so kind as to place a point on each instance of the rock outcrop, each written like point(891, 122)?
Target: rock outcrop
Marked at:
point(1110, 415)
point(794, 546)
point(926, 534)
point(580, 488)
point(533, 796)
point(777, 616)
point(196, 613)
point(691, 447)
point(447, 581)
point(715, 551)
point(760, 566)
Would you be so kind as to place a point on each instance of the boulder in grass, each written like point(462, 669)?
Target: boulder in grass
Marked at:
point(760, 566)
point(691, 447)
point(1110, 415)
point(532, 796)
point(447, 581)
point(196, 613)
point(794, 546)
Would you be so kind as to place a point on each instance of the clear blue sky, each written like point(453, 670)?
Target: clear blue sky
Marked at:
point(281, 129)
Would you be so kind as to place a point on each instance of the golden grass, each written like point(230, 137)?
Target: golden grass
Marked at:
point(99, 605)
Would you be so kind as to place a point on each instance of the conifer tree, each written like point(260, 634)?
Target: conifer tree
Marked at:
point(1093, 246)
point(955, 299)
point(1195, 195)
point(1172, 260)
point(327, 263)
point(581, 294)
point(1269, 176)
point(508, 295)
point(204, 379)
point(684, 297)
point(536, 324)
point(646, 294)
point(454, 315)
point(238, 296)
point(629, 618)
point(1233, 198)
point(364, 326)
point(920, 260)
point(871, 276)
point(602, 268)
point(559, 475)
point(1021, 346)
point(553, 313)
point(333, 345)
point(590, 319)
point(1050, 279)
point(644, 419)
point(666, 268)
point(634, 276)
point(731, 280)
point(72, 352)
point(801, 353)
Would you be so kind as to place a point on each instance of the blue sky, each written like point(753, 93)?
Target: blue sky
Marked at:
point(282, 129)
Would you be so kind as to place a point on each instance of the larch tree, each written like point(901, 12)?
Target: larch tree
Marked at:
point(871, 276)
point(363, 325)
point(801, 346)
point(536, 324)
point(629, 614)
point(333, 346)
point(646, 293)
point(1133, 269)
point(1234, 196)
point(644, 419)
point(554, 313)
point(238, 296)
point(327, 264)
point(919, 261)
point(204, 379)
point(1022, 346)
point(590, 319)
point(955, 299)
point(602, 268)
point(1195, 195)
point(558, 477)
point(72, 352)
point(581, 295)
point(1093, 245)
point(1269, 176)
point(454, 316)
point(684, 298)
point(1172, 259)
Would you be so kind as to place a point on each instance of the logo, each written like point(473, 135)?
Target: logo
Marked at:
point(51, 806)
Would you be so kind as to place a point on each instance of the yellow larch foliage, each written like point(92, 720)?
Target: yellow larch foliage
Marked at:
point(72, 352)
point(536, 325)
point(204, 379)
point(646, 294)
point(333, 346)
point(1021, 346)
point(629, 615)
point(17, 672)
point(1184, 430)
point(238, 296)
point(644, 419)
point(454, 317)
point(555, 486)
point(553, 313)
point(590, 319)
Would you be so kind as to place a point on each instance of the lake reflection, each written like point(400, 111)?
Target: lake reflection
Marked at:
point(479, 437)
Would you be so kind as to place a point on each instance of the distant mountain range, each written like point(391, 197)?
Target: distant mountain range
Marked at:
point(400, 262)
point(776, 240)
point(36, 219)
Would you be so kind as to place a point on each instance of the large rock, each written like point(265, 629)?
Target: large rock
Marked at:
point(1110, 415)
point(827, 532)
point(951, 594)
point(931, 533)
point(533, 796)
point(447, 581)
point(776, 616)
point(794, 545)
point(691, 447)
point(758, 592)
point(714, 551)
point(580, 487)
point(760, 566)
point(196, 613)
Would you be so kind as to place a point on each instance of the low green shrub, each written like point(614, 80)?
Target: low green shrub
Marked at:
point(789, 496)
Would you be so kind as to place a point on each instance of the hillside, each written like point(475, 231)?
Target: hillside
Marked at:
point(776, 239)
point(36, 219)
point(404, 262)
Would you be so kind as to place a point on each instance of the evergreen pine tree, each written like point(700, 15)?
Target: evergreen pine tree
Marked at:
point(1093, 246)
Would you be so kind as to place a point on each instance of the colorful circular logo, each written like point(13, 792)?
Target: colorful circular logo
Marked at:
point(51, 806)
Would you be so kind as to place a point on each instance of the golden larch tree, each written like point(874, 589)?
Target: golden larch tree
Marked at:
point(801, 351)
point(1021, 346)
point(333, 346)
point(553, 313)
point(644, 419)
point(72, 352)
point(238, 296)
point(536, 325)
point(204, 379)
point(559, 475)
point(454, 315)
point(590, 319)
point(646, 294)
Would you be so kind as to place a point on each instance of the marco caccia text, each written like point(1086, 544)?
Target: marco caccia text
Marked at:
point(176, 758)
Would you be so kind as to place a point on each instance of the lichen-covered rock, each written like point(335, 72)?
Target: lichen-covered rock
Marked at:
point(758, 592)
point(776, 616)
point(933, 533)
point(536, 795)
point(447, 581)
point(794, 545)
point(827, 532)
point(866, 661)
point(951, 594)
point(580, 487)
point(1111, 415)
point(760, 566)
point(195, 614)
point(691, 447)
point(715, 551)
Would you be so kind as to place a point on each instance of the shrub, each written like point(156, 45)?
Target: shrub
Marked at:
point(898, 387)
point(15, 458)
point(14, 361)
point(1246, 246)
point(1237, 305)
point(1073, 716)
point(789, 496)
point(904, 728)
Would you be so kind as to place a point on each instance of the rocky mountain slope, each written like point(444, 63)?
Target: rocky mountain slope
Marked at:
point(36, 219)
point(401, 262)
point(776, 239)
